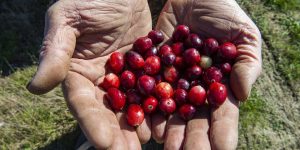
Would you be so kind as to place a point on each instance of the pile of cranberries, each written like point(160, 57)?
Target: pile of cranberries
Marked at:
point(178, 76)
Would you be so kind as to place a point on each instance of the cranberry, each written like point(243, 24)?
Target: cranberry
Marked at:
point(210, 46)
point(226, 68)
point(164, 90)
point(197, 95)
point(165, 49)
point(181, 33)
point(135, 115)
point(193, 41)
point(128, 80)
point(158, 78)
point(187, 112)
point(146, 85)
point(180, 96)
point(152, 65)
point(183, 84)
point(117, 99)
point(178, 48)
point(142, 44)
point(116, 62)
point(167, 105)
point(171, 74)
point(193, 72)
point(150, 104)
point(110, 80)
point(179, 63)
point(151, 52)
point(135, 60)
point(191, 56)
point(228, 51)
point(216, 94)
point(156, 36)
point(133, 96)
point(168, 59)
point(212, 74)
point(205, 62)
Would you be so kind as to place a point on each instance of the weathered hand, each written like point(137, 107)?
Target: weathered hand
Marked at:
point(79, 37)
point(215, 128)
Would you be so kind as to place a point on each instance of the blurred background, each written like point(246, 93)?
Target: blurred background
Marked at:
point(270, 119)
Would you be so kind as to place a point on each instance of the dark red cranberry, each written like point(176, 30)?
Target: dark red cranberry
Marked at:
point(156, 36)
point(168, 59)
point(193, 41)
point(142, 44)
point(116, 98)
point(164, 90)
point(135, 115)
point(227, 51)
point(151, 52)
point(183, 84)
point(210, 46)
point(178, 48)
point(152, 65)
point(216, 94)
point(167, 106)
point(197, 95)
point(128, 80)
point(180, 96)
point(181, 33)
point(146, 85)
point(212, 74)
point(187, 112)
point(193, 73)
point(191, 56)
point(171, 74)
point(109, 81)
point(139, 73)
point(135, 60)
point(163, 50)
point(179, 63)
point(133, 96)
point(158, 78)
point(225, 68)
point(150, 104)
point(116, 62)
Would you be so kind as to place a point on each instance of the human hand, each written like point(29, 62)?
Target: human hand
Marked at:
point(79, 38)
point(212, 128)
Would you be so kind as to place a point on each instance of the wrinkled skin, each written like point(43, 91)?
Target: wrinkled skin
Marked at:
point(79, 37)
point(226, 21)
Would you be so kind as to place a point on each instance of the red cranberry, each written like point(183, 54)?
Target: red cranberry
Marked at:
point(197, 95)
point(128, 80)
point(193, 41)
point(156, 36)
point(210, 46)
point(187, 112)
point(178, 48)
point(180, 96)
point(179, 63)
point(183, 84)
point(168, 59)
point(226, 68)
point(151, 52)
point(205, 62)
point(216, 94)
point(228, 51)
point(193, 72)
point(117, 99)
point(110, 80)
point(165, 49)
point(212, 74)
point(146, 85)
point(135, 60)
point(167, 105)
point(171, 74)
point(164, 90)
point(152, 65)
point(181, 33)
point(135, 115)
point(133, 96)
point(142, 44)
point(116, 62)
point(191, 56)
point(150, 104)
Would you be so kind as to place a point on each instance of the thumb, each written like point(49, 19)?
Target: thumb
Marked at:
point(56, 51)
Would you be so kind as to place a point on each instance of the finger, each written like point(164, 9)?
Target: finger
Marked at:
point(129, 132)
point(57, 48)
point(80, 95)
point(197, 131)
point(119, 142)
point(175, 133)
point(224, 125)
point(144, 130)
point(158, 127)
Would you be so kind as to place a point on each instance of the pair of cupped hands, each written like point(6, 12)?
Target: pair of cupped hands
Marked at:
point(79, 37)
